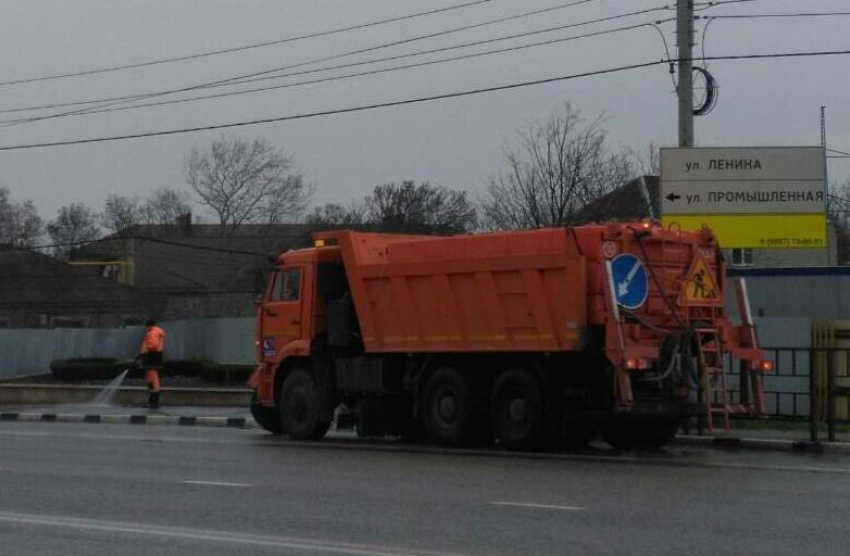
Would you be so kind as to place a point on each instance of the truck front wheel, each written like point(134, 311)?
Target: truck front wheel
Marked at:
point(266, 417)
point(300, 410)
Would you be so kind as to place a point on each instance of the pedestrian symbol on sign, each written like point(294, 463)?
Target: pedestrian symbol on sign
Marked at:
point(700, 287)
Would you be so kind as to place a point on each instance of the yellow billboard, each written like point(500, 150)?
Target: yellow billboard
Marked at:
point(763, 231)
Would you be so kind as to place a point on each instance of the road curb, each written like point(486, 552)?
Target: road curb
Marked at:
point(722, 442)
point(131, 419)
point(12, 394)
point(765, 444)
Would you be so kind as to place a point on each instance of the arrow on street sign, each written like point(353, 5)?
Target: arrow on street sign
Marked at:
point(630, 281)
point(673, 197)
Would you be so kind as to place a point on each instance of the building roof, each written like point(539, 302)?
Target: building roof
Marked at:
point(637, 199)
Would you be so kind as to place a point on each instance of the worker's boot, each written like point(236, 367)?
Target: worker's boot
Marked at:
point(153, 400)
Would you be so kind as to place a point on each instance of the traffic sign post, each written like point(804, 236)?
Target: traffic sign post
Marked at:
point(631, 284)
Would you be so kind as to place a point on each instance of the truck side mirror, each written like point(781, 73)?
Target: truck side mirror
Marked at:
point(258, 299)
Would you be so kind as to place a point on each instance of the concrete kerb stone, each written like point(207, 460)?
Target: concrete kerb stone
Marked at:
point(765, 444)
point(731, 443)
point(131, 419)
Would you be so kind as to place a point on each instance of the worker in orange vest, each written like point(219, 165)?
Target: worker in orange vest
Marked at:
point(150, 359)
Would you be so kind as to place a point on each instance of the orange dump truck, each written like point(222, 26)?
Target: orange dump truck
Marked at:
point(527, 338)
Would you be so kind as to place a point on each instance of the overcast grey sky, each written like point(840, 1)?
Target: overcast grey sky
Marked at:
point(455, 142)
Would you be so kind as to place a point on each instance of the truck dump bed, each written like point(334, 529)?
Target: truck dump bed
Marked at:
point(511, 291)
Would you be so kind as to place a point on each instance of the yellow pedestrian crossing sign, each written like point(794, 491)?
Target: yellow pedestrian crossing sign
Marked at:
point(701, 286)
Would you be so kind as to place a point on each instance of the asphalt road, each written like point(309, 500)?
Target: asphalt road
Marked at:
point(126, 490)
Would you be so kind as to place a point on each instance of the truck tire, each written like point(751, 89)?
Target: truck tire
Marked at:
point(517, 411)
point(266, 417)
point(450, 414)
point(300, 408)
point(635, 433)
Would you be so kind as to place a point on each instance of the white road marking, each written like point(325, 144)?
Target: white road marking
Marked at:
point(223, 537)
point(539, 506)
point(217, 483)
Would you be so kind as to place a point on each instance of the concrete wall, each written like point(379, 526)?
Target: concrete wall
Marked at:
point(29, 351)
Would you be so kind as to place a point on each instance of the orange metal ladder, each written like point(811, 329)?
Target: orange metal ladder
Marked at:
point(713, 379)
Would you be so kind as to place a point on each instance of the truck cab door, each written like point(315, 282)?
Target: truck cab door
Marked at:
point(281, 311)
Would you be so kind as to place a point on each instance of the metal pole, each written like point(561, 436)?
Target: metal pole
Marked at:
point(744, 382)
point(685, 39)
point(826, 183)
point(830, 393)
point(813, 397)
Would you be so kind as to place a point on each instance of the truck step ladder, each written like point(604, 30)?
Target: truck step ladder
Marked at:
point(713, 380)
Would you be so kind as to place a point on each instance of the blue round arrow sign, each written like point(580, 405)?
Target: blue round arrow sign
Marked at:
point(631, 285)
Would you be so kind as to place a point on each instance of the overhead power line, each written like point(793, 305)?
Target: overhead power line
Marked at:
point(150, 239)
point(767, 16)
point(331, 112)
point(419, 100)
point(376, 71)
point(111, 101)
point(242, 48)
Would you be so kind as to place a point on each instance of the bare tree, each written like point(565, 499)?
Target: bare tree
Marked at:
point(335, 215)
point(422, 208)
point(20, 224)
point(560, 166)
point(243, 182)
point(74, 226)
point(164, 206)
point(121, 214)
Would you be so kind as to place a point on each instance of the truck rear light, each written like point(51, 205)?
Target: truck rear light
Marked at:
point(635, 364)
point(764, 366)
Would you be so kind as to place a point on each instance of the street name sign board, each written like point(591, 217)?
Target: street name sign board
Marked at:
point(749, 196)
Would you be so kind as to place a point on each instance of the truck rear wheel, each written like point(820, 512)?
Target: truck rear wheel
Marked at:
point(266, 417)
point(517, 410)
point(300, 410)
point(450, 411)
